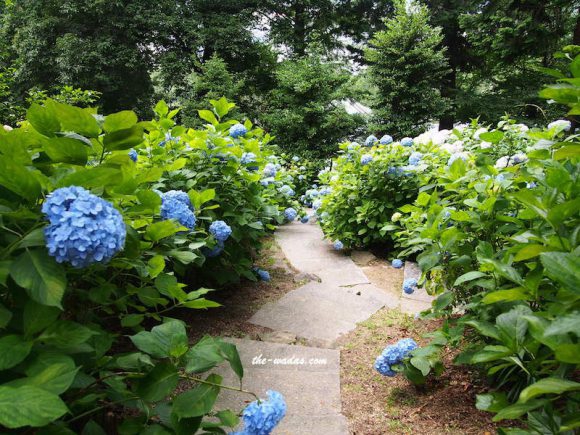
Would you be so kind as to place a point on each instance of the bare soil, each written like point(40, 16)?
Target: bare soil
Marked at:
point(377, 405)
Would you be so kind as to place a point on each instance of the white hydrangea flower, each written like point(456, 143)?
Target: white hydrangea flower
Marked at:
point(479, 131)
point(522, 128)
point(484, 145)
point(502, 162)
point(453, 148)
point(7, 128)
point(519, 158)
point(560, 124)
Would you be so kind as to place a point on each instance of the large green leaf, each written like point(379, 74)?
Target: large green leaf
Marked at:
point(159, 382)
point(51, 372)
point(231, 353)
point(42, 277)
point(160, 230)
point(36, 317)
point(74, 119)
point(563, 268)
point(66, 150)
point(123, 139)
point(13, 350)
point(93, 177)
point(469, 276)
point(43, 120)
point(198, 401)
point(548, 386)
point(166, 340)
point(204, 355)
point(18, 179)
point(512, 326)
point(65, 334)
point(29, 406)
point(517, 410)
point(120, 121)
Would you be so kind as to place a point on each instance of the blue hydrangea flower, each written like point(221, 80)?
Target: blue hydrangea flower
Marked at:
point(415, 158)
point(173, 208)
point(395, 170)
point(220, 230)
point(305, 219)
point(531, 185)
point(168, 138)
point(83, 228)
point(301, 177)
point(215, 251)
point(409, 285)
point(261, 417)
point(447, 214)
point(248, 158)
point(338, 245)
point(295, 158)
point(178, 195)
point(371, 140)
point(286, 190)
point(264, 275)
point(238, 130)
point(133, 155)
point(352, 146)
point(397, 263)
point(386, 140)
point(499, 178)
point(393, 355)
point(366, 159)
point(270, 170)
point(290, 214)
point(407, 142)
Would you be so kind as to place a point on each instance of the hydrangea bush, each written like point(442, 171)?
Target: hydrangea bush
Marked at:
point(104, 220)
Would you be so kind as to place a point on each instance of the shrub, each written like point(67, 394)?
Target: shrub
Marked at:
point(93, 260)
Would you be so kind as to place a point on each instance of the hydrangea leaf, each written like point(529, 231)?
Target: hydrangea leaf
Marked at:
point(42, 277)
point(13, 350)
point(198, 401)
point(29, 406)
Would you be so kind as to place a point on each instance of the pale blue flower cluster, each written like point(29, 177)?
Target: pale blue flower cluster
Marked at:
point(238, 130)
point(395, 170)
point(248, 158)
point(393, 355)
point(133, 155)
point(270, 170)
point(304, 219)
point(220, 230)
point(264, 275)
point(83, 228)
point(261, 417)
point(317, 204)
point(338, 245)
point(168, 138)
point(415, 158)
point(397, 263)
point(386, 140)
point(407, 142)
point(371, 140)
point(531, 185)
point(352, 146)
point(176, 205)
point(325, 191)
point(215, 251)
point(366, 159)
point(290, 214)
point(295, 158)
point(286, 190)
point(409, 285)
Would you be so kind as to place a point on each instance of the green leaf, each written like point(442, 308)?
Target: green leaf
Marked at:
point(222, 106)
point(123, 139)
point(548, 386)
point(64, 334)
point(155, 265)
point(490, 353)
point(494, 137)
point(162, 229)
point(564, 324)
point(207, 115)
point(36, 317)
point(120, 121)
point(166, 340)
point(97, 177)
point(568, 353)
point(231, 353)
point(484, 328)
point(530, 251)
point(567, 152)
point(469, 276)
point(203, 356)
point(198, 401)
point(517, 410)
point(43, 120)
point(516, 294)
point(530, 200)
point(559, 213)
point(492, 402)
point(228, 418)
point(18, 179)
point(29, 406)
point(65, 150)
point(54, 373)
point(512, 326)
point(5, 316)
point(13, 350)
point(158, 383)
point(169, 286)
point(42, 277)
point(563, 268)
point(422, 364)
point(162, 108)
point(132, 320)
point(74, 119)
point(504, 270)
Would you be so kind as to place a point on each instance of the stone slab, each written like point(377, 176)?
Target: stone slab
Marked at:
point(362, 258)
point(322, 311)
point(410, 306)
point(311, 390)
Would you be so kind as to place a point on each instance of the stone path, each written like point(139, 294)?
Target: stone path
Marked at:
point(317, 313)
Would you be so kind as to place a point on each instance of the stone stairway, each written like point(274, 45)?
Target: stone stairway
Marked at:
point(317, 314)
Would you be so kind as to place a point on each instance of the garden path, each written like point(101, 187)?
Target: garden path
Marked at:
point(338, 296)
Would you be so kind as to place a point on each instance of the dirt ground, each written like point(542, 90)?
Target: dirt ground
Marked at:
point(377, 405)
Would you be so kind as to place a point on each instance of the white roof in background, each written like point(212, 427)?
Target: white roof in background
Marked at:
point(355, 108)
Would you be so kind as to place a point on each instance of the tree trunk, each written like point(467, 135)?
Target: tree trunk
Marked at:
point(447, 120)
point(299, 29)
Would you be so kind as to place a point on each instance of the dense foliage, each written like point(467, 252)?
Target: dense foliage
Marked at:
point(108, 225)
point(494, 228)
